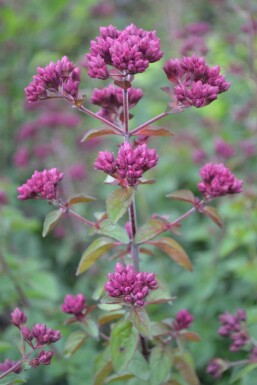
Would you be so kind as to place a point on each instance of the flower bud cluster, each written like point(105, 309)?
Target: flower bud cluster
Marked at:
point(193, 41)
point(8, 364)
point(129, 285)
point(233, 327)
point(74, 304)
point(110, 99)
point(218, 181)
point(130, 51)
point(42, 185)
point(62, 78)
point(223, 149)
point(130, 163)
point(216, 367)
point(196, 84)
point(182, 320)
point(37, 337)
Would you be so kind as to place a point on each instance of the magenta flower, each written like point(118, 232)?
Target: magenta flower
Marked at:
point(196, 84)
point(130, 51)
point(45, 335)
point(218, 181)
point(42, 185)
point(8, 364)
point(216, 367)
point(129, 285)
point(182, 320)
point(130, 163)
point(233, 327)
point(18, 317)
point(223, 149)
point(74, 304)
point(45, 358)
point(62, 78)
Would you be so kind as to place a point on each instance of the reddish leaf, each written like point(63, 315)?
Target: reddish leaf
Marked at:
point(182, 195)
point(183, 364)
point(147, 181)
point(79, 198)
point(154, 131)
point(190, 336)
point(94, 251)
point(151, 229)
point(124, 84)
point(95, 133)
point(213, 214)
point(174, 250)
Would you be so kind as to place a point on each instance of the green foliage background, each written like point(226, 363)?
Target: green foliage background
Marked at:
point(39, 272)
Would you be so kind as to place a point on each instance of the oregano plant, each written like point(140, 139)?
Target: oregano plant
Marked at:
point(135, 348)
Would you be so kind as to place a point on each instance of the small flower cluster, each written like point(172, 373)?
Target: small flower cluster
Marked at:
point(129, 51)
point(110, 99)
point(233, 326)
point(62, 78)
point(129, 285)
point(74, 305)
point(218, 181)
point(182, 320)
point(223, 149)
point(37, 338)
point(42, 185)
point(196, 84)
point(192, 35)
point(130, 163)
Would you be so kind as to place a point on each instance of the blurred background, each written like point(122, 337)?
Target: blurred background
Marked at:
point(36, 273)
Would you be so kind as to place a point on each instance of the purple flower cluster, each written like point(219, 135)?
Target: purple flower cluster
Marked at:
point(43, 358)
point(8, 364)
point(130, 163)
point(182, 320)
point(42, 185)
point(129, 285)
point(43, 335)
point(74, 304)
point(192, 35)
point(223, 149)
point(233, 326)
point(196, 84)
point(130, 51)
point(110, 99)
point(218, 181)
point(18, 317)
point(62, 78)
point(216, 367)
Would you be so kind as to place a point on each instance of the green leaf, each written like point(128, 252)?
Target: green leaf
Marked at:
point(105, 319)
point(175, 251)
point(107, 228)
point(242, 373)
point(102, 367)
point(79, 198)
point(91, 327)
point(152, 228)
point(160, 364)
point(74, 342)
point(95, 133)
point(122, 377)
point(51, 221)
point(141, 321)
point(155, 131)
point(213, 214)
point(183, 364)
point(182, 195)
point(139, 367)
point(123, 342)
point(118, 202)
point(94, 251)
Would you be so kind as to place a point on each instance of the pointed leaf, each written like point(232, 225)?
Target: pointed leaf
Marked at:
point(160, 364)
point(212, 213)
point(103, 374)
point(74, 342)
point(182, 195)
point(141, 321)
point(79, 198)
point(139, 367)
point(94, 251)
point(91, 327)
point(124, 84)
point(118, 202)
point(183, 364)
point(106, 227)
point(154, 131)
point(190, 336)
point(123, 343)
point(109, 318)
point(174, 250)
point(147, 181)
point(111, 300)
point(95, 133)
point(119, 378)
point(152, 228)
point(51, 221)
